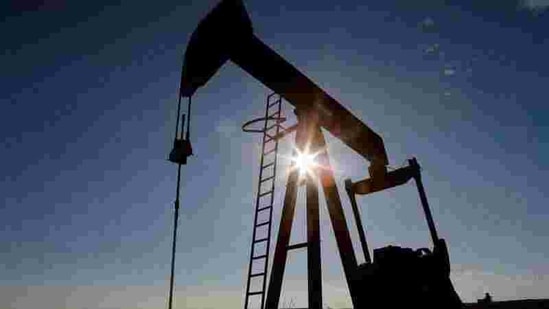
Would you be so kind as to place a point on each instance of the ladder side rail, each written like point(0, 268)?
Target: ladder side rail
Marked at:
point(279, 102)
point(258, 197)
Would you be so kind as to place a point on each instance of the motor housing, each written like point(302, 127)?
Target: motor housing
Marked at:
point(407, 278)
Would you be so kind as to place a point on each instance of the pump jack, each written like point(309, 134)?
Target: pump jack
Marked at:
point(226, 34)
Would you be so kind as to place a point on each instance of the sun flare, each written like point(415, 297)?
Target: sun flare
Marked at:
point(305, 162)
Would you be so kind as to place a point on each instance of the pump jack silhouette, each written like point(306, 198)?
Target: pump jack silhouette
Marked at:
point(397, 276)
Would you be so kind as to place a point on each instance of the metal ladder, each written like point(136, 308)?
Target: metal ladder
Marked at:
point(265, 198)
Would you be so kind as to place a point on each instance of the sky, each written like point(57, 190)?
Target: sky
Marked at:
point(89, 96)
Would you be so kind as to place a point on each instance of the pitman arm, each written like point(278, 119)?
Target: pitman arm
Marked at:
point(226, 34)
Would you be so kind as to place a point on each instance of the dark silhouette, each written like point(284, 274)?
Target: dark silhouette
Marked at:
point(396, 277)
point(406, 278)
point(510, 304)
point(226, 33)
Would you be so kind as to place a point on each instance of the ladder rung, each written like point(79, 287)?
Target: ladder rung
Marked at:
point(289, 129)
point(270, 151)
point(255, 293)
point(261, 240)
point(268, 178)
point(277, 113)
point(285, 132)
point(271, 127)
point(257, 275)
point(275, 102)
point(272, 94)
point(297, 246)
point(259, 257)
point(268, 165)
point(262, 224)
point(265, 193)
point(263, 208)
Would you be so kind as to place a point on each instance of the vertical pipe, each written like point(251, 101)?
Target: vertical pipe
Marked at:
point(424, 203)
point(360, 228)
point(176, 202)
point(176, 216)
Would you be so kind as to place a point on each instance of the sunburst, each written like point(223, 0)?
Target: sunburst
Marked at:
point(304, 162)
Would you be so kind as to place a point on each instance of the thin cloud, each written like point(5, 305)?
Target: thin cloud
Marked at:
point(427, 25)
point(432, 49)
point(449, 71)
point(536, 5)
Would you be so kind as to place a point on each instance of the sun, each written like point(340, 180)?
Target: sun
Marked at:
point(305, 162)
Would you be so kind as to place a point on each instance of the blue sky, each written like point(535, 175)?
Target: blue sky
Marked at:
point(88, 109)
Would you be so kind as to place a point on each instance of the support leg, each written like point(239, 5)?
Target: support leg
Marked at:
point(313, 248)
point(285, 228)
point(283, 239)
point(337, 217)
